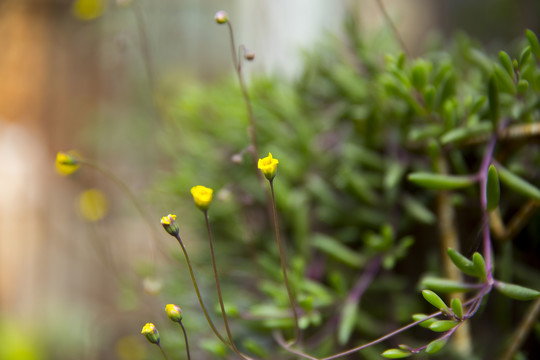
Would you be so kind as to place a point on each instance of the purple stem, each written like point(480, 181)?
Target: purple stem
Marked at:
point(482, 174)
point(365, 280)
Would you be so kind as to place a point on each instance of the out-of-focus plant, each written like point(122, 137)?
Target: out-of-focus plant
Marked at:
point(388, 167)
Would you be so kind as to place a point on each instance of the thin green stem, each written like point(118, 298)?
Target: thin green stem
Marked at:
point(218, 288)
point(185, 339)
point(199, 297)
point(283, 267)
point(162, 351)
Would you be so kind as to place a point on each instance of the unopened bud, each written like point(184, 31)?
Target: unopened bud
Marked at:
point(249, 55)
point(170, 225)
point(174, 312)
point(151, 333)
point(221, 17)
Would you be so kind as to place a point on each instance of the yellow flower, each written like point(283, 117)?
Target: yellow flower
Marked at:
point(202, 196)
point(93, 205)
point(67, 163)
point(174, 312)
point(268, 166)
point(170, 225)
point(88, 9)
point(150, 331)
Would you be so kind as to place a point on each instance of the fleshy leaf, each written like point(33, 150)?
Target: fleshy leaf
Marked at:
point(435, 300)
point(462, 263)
point(442, 325)
point(444, 285)
point(457, 308)
point(436, 346)
point(396, 354)
point(516, 292)
point(518, 184)
point(439, 181)
point(492, 189)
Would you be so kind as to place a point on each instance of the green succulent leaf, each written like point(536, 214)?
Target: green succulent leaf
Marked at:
point(533, 42)
point(436, 345)
point(517, 184)
point(457, 307)
point(396, 354)
point(493, 97)
point(426, 323)
point(348, 319)
point(524, 56)
point(516, 291)
point(462, 263)
point(467, 132)
point(480, 265)
point(492, 189)
point(442, 325)
point(439, 181)
point(444, 285)
point(506, 62)
point(504, 81)
point(435, 300)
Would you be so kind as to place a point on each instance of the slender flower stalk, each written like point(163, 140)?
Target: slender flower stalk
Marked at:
point(170, 225)
point(268, 167)
point(218, 288)
point(284, 267)
point(175, 314)
point(152, 335)
point(221, 17)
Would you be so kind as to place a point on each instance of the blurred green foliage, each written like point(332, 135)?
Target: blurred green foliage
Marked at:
point(347, 132)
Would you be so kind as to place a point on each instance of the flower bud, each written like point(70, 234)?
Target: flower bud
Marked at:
point(202, 196)
point(67, 163)
point(150, 331)
point(268, 166)
point(170, 225)
point(174, 312)
point(249, 55)
point(221, 17)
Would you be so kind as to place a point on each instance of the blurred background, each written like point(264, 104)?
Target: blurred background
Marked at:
point(98, 77)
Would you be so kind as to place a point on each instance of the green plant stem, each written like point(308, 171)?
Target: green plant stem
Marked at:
point(199, 297)
point(185, 339)
point(162, 351)
point(283, 267)
point(218, 288)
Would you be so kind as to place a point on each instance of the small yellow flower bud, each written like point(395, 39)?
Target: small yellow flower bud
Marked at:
point(150, 331)
point(268, 166)
point(221, 17)
point(202, 196)
point(170, 225)
point(67, 163)
point(174, 312)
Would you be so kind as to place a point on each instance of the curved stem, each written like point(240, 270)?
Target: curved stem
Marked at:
point(199, 297)
point(218, 288)
point(131, 197)
point(186, 340)
point(393, 26)
point(162, 351)
point(283, 267)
